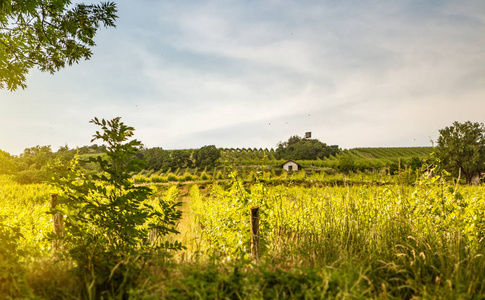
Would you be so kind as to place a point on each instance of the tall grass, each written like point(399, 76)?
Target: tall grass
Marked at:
point(408, 241)
point(334, 241)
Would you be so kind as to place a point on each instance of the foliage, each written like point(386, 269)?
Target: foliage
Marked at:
point(234, 281)
point(391, 152)
point(111, 230)
point(225, 217)
point(32, 166)
point(7, 165)
point(461, 147)
point(180, 159)
point(160, 159)
point(346, 163)
point(207, 156)
point(93, 149)
point(407, 241)
point(371, 240)
point(416, 163)
point(24, 207)
point(12, 281)
point(299, 148)
point(154, 158)
point(47, 34)
point(366, 159)
point(32, 176)
point(36, 157)
point(23, 223)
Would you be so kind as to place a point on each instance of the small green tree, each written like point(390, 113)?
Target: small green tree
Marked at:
point(108, 218)
point(462, 147)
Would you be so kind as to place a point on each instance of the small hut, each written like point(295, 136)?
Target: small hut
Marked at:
point(290, 166)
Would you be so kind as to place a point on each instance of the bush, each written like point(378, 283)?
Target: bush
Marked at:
point(158, 179)
point(346, 164)
point(111, 230)
point(204, 176)
point(188, 177)
point(140, 179)
point(31, 176)
point(172, 177)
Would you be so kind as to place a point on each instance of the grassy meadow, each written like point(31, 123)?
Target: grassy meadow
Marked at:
point(365, 237)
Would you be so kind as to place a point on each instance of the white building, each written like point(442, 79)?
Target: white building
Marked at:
point(291, 166)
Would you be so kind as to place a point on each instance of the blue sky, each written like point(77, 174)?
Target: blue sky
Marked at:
point(252, 73)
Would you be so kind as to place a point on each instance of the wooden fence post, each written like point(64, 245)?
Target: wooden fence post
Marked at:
point(255, 233)
point(57, 222)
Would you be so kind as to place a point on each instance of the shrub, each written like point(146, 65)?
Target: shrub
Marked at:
point(111, 230)
point(204, 176)
point(140, 179)
point(157, 179)
point(31, 176)
point(172, 177)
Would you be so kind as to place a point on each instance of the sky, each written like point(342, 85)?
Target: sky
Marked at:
point(250, 74)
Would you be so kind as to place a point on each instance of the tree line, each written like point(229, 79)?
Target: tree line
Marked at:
point(33, 164)
point(460, 150)
point(159, 159)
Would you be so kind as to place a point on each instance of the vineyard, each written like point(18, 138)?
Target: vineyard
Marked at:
point(386, 153)
point(371, 241)
point(364, 158)
point(105, 228)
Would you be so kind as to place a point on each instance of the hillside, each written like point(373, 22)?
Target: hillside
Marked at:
point(362, 158)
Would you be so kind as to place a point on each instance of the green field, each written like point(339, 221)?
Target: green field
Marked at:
point(364, 159)
point(396, 241)
point(389, 153)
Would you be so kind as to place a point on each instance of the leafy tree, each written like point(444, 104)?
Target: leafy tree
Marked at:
point(462, 147)
point(416, 163)
point(48, 34)
point(207, 156)
point(93, 149)
point(346, 163)
point(156, 158)
point(309, 149)
point(33, 164)
point(181, 159)
point(36, 157)
point(65, 154)
point(7, 163)
point(109, 220)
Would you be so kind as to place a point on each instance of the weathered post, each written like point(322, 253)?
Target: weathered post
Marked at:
point(255, 233)
point(58, 225)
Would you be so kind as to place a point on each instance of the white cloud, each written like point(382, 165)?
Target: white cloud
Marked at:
point(187, 74)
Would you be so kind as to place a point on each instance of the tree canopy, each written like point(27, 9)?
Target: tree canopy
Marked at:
point(160, 159)
point(47, 34)
point(461, 147)
point(207, 156)
point(7, 165)
point(300, 148)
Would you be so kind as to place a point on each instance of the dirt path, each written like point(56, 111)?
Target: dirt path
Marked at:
point(189, 233)
point(185, 224)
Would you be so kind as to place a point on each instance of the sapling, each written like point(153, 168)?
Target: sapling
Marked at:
point(108, 219)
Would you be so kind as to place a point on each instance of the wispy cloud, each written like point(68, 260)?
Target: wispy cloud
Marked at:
point(191, 73)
